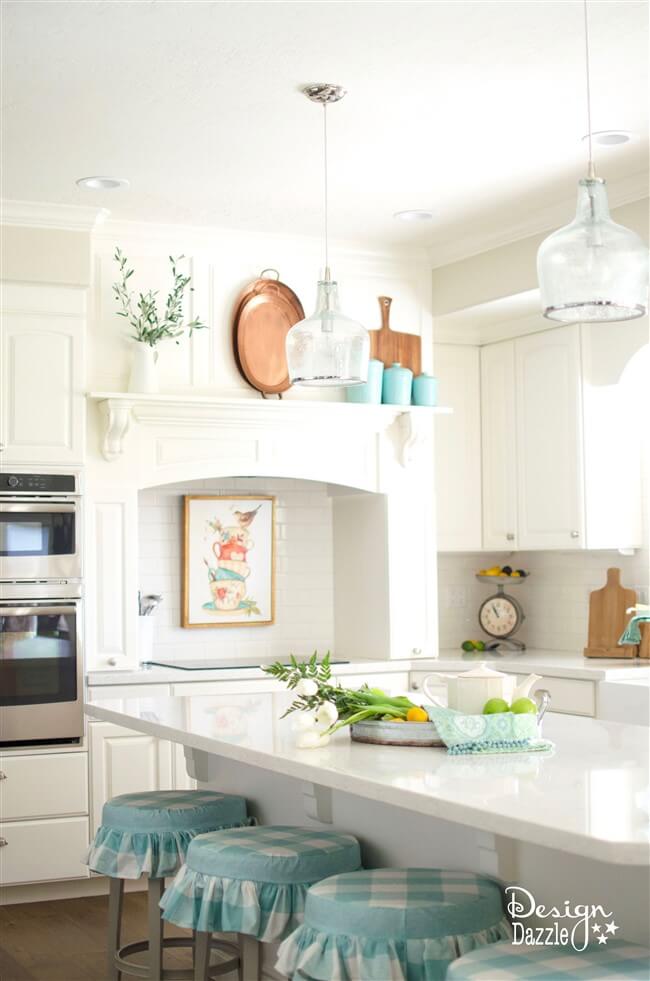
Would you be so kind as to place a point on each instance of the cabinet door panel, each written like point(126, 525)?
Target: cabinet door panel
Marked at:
point(42, 385)
point(458, 449)
point(549, 440)
point(499, 446)
point(124, 762)
point(42, 851)
point(44, 786)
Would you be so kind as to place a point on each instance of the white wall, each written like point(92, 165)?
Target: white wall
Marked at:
point(304, 611)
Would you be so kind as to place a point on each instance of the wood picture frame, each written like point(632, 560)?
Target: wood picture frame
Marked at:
point(224, 586)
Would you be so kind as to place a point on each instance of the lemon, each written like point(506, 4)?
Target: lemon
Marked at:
point(416, 714)
point(397, 720)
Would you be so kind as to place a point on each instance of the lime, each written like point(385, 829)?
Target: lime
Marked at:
point(523, 705)
point(495, 705)
point(467, 645)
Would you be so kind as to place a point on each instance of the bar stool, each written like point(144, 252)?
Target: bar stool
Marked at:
point(253, 882)
point(503, 962)
point(402, 924)
point(149, 834)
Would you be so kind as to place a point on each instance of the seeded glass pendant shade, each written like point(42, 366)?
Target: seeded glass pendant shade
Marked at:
point(327, 348)
point(593, 270)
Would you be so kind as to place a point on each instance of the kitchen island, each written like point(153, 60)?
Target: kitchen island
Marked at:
point(570, 824)
point(552, 799)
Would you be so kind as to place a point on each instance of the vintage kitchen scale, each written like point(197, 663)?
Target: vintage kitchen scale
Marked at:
point(500, 615)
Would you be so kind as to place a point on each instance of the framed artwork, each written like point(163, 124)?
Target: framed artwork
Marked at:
point(228, 561)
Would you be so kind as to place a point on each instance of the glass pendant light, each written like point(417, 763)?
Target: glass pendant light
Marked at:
point(593, 270)
point(327, 348)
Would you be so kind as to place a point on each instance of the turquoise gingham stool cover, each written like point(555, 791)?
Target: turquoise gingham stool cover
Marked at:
point(151, 831)
point(254, 880)
point(392, 925)
point(505, 962)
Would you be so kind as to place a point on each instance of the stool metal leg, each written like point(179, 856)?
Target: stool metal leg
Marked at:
point(156, 887)
point(249, 962)
point(115, 895)
point(202, 955)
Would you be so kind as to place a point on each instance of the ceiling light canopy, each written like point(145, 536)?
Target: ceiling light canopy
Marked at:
point(327, 348)
point(101, 183)
point(593, 270)
point(610, 137)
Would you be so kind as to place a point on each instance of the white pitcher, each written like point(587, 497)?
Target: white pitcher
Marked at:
point(468, 692)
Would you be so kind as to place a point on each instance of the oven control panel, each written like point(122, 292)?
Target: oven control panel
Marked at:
point(38, 483)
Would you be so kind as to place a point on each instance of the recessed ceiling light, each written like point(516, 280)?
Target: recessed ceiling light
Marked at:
point(416, 215)
point(101, 183)
point(610, 137)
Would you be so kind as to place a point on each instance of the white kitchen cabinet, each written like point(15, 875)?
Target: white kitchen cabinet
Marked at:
point(499, 446)
point(42, 406)
point(550, 462)
point(48, 785)
point(458, 449)
point(123, 762)
point(42, 851)
point(557, 435)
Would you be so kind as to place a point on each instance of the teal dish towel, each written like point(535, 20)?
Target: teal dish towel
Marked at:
point(632, 634)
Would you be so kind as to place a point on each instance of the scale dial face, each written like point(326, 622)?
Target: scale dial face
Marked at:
point(500, 615)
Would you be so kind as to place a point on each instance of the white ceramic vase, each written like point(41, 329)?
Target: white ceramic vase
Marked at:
point(144, 371)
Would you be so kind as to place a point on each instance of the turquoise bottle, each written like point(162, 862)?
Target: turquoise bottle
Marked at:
point(370, 392)
point(425, 390)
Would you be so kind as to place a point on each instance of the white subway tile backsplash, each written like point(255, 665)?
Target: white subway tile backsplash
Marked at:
point(555, 598)
point(304, 614)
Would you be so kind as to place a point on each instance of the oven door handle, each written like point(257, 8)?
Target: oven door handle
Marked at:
point(32, 611)
point(38, 507)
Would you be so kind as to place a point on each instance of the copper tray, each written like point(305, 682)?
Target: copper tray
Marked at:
point(265, 313)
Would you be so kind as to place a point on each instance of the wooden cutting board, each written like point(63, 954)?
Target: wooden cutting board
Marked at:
point(389, 345)
point(608, 619)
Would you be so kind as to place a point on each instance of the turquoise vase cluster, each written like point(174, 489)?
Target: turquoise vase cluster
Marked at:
point(394, 385)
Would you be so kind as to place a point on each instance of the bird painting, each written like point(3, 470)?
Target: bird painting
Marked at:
point(245, 518)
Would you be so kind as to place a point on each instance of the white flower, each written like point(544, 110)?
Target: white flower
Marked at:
point(312, 739)
point(327, 714)
point(306, 687)
point(302, 721)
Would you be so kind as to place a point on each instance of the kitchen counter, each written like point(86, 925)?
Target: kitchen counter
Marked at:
point(555, 664)
point(588, 798)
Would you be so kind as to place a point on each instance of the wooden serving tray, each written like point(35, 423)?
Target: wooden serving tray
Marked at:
point(391, 346)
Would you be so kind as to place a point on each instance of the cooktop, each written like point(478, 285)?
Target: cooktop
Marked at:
point(223, 664)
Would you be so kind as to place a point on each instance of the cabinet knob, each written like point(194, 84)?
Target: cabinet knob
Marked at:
point(575, 534)
point(416, 651)
point(415, 685)
point(112, 661)
point(510, 537)
point(3, 775)
point(3, 842)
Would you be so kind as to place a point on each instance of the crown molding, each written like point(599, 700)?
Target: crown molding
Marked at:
point(39, 214)
point(625, 191)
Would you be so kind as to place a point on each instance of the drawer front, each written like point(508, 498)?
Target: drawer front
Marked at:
point(392, 682)
point(568, 695)
point(40, 851)
point(98, 692)
point(228, 687)
point(43, 786)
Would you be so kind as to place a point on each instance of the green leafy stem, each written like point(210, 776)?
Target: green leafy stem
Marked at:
point(149, 325)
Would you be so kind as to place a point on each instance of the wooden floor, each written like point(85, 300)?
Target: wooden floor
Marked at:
point(66, 940)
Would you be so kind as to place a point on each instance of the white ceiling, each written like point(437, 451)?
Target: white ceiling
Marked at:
point(473, 110)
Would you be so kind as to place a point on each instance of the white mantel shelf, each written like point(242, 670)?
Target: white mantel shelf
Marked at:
point(588, 797)
point(123, 409)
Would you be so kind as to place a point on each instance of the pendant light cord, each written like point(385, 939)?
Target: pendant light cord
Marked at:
point(325, 199)
point(591, 172)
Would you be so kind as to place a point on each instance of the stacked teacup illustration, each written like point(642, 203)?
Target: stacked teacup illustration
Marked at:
point(227, 564)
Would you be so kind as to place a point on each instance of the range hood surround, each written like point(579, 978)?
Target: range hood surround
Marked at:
point(377, 460)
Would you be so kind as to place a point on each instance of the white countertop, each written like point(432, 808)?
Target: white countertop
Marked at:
point(590, 797)
point(553, 664)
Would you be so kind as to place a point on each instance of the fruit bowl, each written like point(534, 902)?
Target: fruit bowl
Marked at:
point(382, 733)
point(502, 580)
